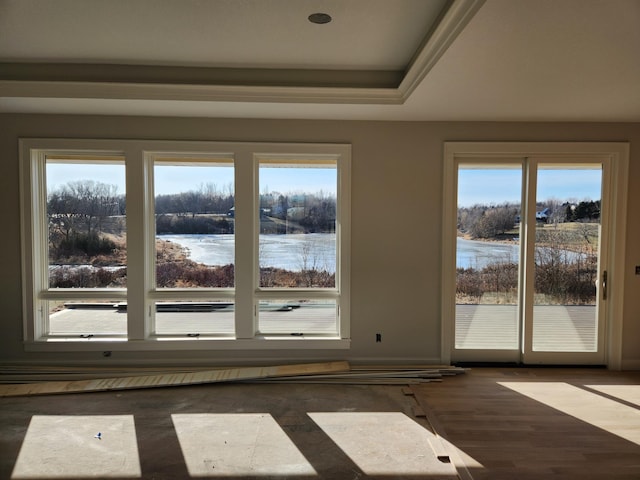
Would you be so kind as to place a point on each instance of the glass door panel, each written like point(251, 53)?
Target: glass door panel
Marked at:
point(487, 257)
point(566, 258)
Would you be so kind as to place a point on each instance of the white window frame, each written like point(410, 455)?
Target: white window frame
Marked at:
point(141, 292)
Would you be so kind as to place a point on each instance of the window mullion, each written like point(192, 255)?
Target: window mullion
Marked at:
point(245, 238)
point(139, 259)
point(528, 254)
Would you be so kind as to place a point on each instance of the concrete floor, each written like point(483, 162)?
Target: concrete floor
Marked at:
point(266, 431)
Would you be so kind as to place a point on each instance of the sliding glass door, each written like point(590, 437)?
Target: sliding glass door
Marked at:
point(530, 243)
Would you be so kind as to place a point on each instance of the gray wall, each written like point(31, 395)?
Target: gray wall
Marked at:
point(396, 183)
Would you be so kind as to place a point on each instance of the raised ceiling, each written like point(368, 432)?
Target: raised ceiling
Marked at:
point(377, 59)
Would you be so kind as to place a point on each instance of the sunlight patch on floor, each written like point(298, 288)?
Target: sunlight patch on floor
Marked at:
point(245, 444)
point(65, 446)
point(607, 414)
point(384, 443)
point(627, 393)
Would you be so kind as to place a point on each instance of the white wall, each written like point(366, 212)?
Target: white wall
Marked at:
point(396, 218)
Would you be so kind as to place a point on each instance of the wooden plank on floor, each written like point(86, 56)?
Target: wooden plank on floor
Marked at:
point(343, 381)
point(444, 451)
point(172, 379)
point(407, 391)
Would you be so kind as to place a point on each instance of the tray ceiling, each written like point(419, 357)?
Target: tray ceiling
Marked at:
point(376, 59)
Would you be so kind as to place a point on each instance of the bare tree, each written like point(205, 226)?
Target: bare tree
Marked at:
point(83, 205)
point(79, 208)
point(493, 221)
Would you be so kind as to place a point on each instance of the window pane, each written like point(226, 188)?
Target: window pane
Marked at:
point(86, 223)
point(487, 257)
point(87, 318)
point(194, 318)
point(298, 205)
point(298, 317)
point(195, 244)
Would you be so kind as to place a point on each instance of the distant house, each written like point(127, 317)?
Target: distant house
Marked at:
point(295, 213)
point(543, 215)
point(263, 212)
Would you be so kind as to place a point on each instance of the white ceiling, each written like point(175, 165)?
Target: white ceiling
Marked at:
point(514, 60)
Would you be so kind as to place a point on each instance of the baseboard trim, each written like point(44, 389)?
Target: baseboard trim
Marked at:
point(633, 364)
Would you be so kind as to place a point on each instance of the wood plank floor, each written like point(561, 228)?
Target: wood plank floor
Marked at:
point(540, 423)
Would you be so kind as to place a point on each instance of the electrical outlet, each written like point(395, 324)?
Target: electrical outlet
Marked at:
point(378, 337)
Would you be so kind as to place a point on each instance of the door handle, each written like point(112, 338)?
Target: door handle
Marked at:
point(604, 285)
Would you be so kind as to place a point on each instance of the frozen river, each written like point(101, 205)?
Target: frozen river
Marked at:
point(290, 252)
point(478, 254)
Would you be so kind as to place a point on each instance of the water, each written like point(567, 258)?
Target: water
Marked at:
point(291, 252)
point(287, 251)
point(318, 250)
point(478, 254)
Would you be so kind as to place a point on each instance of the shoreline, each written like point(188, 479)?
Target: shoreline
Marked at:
point(510, 239)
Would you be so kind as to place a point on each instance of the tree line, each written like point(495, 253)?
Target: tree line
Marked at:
point(482, 221)
point(208, 199)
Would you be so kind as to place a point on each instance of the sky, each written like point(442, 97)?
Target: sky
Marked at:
point(169, 179)
point(497, 186)
point(475, 186)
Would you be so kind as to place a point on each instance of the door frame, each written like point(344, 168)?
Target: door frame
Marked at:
point(616, 154)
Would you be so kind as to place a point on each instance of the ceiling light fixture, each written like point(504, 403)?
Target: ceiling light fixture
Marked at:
point(320, 18)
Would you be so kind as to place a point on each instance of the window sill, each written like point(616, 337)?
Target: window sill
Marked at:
point(173, 343)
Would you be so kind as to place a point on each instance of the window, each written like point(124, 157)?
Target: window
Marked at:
point(194, 244)
point(157, 245)
point(297, 244)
